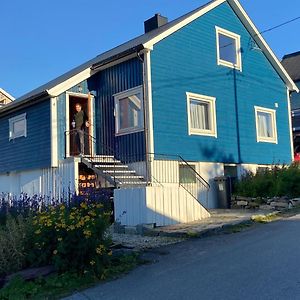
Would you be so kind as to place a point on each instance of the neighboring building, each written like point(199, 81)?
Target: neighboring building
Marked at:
point(5, 98)
point(291, 63)
point(192, 99)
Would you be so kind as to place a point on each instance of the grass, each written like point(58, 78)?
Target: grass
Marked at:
point(265, 218)
point(56, 286)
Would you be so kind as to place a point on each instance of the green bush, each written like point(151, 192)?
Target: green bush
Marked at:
point(72, 239)
point(274, 182)
point(13, 239)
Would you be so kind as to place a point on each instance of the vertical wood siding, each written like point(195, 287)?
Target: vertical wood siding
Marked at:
point(121, 77)
point(160, 205)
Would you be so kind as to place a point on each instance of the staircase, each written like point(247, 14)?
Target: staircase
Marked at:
point(114, 171)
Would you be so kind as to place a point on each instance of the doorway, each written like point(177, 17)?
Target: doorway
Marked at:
point(85, 100)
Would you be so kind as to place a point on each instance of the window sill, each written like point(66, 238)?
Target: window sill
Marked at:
point(203, 133)
point(227, 64)
point(270, 141)
point(129, 131)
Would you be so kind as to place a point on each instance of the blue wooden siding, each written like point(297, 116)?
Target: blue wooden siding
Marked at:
point(186, 61)
point(33, 151)
point(106, 83)
point(61, 116)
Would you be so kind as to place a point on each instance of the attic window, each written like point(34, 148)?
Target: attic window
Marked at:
point(17, 127)
point(228, 49)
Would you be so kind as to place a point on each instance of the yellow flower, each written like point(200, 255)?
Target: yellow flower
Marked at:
point(71, 227)
point(83, 205)
point(55, 252)
point(87, 233)
point(92, 262)
point(99, 205)
point(37, 231)
point(110, 253)
point(100, 249)
point(62, 207)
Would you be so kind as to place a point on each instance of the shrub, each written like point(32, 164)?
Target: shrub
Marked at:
point(274, 182)
point(13, 238)
point(73, 239)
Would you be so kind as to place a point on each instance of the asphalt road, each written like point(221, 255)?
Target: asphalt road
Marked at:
point(260, 263)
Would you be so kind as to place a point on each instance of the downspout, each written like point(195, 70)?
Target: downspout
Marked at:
point(237, 116)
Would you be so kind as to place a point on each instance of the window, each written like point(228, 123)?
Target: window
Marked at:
point(228, 49)
point(187, 174)
point(266, 130)
point(17, 127)
point(201, 115)
point(129, 111)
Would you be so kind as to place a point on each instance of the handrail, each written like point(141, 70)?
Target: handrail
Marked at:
point(168, 174)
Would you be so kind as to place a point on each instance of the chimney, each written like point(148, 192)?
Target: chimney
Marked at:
point(155, 22)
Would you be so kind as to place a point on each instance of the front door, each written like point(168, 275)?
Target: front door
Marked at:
point(74, 138)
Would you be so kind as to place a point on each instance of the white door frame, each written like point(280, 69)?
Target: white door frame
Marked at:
point(91, 119)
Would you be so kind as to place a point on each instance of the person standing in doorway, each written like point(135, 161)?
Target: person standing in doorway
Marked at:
point(80, 122)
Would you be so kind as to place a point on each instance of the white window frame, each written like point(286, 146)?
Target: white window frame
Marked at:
point(260, 139)
point(213, 119)
point(122, 95)
point(237, 38)
point(12, 134)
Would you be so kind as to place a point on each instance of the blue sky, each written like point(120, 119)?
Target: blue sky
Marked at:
point(42, 39)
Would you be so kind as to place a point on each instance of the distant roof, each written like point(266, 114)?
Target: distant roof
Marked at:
point(9, 96)
point(291, 63)
point(149, 39)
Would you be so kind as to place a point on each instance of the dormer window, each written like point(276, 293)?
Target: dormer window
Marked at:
point(228, 49)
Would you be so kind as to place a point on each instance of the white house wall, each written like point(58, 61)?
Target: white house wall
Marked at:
point(160, 205)
point(53, 182)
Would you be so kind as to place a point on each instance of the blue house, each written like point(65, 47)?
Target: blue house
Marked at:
point(291, 63)
point(189, 100)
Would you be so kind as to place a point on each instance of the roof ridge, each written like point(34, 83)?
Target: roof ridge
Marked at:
point(291, 55)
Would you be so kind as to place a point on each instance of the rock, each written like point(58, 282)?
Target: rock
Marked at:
point(264, 207)
point(279, 204)
point(118, 228)
point(130, 230)
point(242, 203)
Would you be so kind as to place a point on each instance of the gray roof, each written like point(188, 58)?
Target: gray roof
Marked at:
point(140, 40)
point(291, 62)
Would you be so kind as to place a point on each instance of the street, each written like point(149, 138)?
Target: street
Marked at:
point(259, 263)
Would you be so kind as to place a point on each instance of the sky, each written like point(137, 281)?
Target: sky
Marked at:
point(42, 39)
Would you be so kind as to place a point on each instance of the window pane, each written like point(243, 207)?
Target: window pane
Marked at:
point(186, 174)
point(130, 112)
point(199, 111)
point(18, 127)
point(227, 49)
point(265, 125)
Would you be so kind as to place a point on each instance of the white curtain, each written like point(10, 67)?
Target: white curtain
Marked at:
point(264, 125)
point(199, 115)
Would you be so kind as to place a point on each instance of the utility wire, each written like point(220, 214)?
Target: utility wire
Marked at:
point(270, 29)
point(280, 25)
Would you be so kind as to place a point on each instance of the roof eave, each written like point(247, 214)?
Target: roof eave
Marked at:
point(18, 104)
